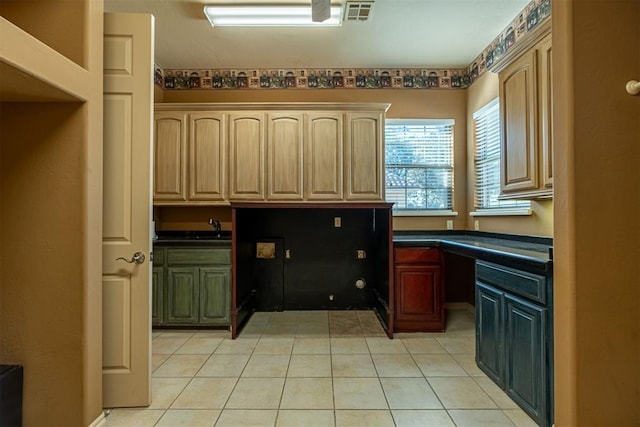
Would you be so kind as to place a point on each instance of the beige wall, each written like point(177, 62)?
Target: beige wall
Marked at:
point(51, 221)
point(456, 104)
point(596, 50)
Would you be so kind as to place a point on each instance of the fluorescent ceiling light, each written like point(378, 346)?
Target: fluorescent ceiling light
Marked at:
point(267, 16)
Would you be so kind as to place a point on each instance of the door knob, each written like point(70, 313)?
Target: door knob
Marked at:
point(138, 258)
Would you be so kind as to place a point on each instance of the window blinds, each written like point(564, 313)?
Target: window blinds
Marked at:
point(419, 164)
point(487, 160)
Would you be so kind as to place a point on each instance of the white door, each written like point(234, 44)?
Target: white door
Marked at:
point(126, 278)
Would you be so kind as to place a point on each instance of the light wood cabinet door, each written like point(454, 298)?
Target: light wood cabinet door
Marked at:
point(246, 156)
point(207, 156)
point(545, 92)
point(518, 108)
point(284, 156)
point(324, 156)
point(170, 151)
point(364, 159)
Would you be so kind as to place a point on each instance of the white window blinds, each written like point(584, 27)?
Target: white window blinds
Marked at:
point(487, 160)
point(419, 164)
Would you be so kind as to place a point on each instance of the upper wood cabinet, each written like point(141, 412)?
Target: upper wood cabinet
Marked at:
point(210, 154)
point(207, 156)
point(285, 156)
point(190, 158)
point(324, 154)
point(364, 156)
point(170, 153)
point(525, 110)
point(246, 156)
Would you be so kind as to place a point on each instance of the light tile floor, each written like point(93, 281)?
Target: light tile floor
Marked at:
point(321, 368)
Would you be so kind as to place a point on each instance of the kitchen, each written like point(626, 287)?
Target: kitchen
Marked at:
point(576, 231)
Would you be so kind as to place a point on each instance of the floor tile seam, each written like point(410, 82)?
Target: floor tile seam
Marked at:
point(490, 396)
point(178, 394)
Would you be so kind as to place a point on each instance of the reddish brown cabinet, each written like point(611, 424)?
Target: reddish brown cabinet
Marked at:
point(419, 290)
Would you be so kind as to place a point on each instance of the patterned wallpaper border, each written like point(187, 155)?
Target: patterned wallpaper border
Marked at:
point(536, 12)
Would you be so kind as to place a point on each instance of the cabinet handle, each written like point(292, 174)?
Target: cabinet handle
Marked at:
point(138, 258)
point(633, 87)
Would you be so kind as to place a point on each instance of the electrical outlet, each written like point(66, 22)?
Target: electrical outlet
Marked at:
point(449, 224)
point(360, 254)
point(337, 222)
point(476, 224)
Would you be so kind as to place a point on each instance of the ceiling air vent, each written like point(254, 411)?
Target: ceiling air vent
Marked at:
point(358, 11)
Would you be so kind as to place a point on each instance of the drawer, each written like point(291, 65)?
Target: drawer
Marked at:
point(193, 256)
point(416, 255)
point(529, 285)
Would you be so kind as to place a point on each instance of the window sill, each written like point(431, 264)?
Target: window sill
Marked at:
point(425, 212)
point(503, 212)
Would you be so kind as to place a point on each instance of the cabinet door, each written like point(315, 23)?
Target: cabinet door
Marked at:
point(526, 356)
point(170, 153)
point(518, 111)
point(157, 289)
point(545, 92)
point(182, 295)
point(207, 156)
point(215, 295)
point(284, 156)
point(419, 303)
point(246, 156)
point(323, 156)
point(364, 156)
point(489, 332)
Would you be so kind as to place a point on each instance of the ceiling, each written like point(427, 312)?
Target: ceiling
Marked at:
point(400, 34)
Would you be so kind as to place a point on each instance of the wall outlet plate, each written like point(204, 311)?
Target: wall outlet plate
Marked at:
point(449, 224)
point(476, 224)
point(337, 222)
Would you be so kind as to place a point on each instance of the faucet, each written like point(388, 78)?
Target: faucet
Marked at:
point(216, 226)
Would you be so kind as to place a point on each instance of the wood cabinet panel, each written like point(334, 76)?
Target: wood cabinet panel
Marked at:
point(170, 152)
point(285, 156)
point(157, 295)
point(364, 156)
point(489, 335)
point(526, 355)
point(545, 92)
point(182, 295)
point(519, 117)
point(215, 295)
point(526, 108)
point(246, 156)
point(418, 290)
point(324, 156)
point(207, 156)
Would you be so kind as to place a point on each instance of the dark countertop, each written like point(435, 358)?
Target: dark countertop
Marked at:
point(193, 238)
point(528, 252)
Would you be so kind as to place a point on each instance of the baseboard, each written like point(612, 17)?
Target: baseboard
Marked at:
point(101, 421)
point(460, 306)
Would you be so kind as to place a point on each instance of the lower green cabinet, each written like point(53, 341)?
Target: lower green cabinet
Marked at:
point(183, 294)
point(215, 296)
point(157, 295)
point(193, 287)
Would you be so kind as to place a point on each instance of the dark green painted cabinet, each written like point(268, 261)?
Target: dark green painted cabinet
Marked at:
point(182, 295)
point(514, 335)
point(157, 295)
point(526, 355)
point(489, 334)
point(192, 287)
point(215, 296)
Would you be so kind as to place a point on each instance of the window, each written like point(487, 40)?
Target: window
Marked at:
point(487, 160)
point(419, 164)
